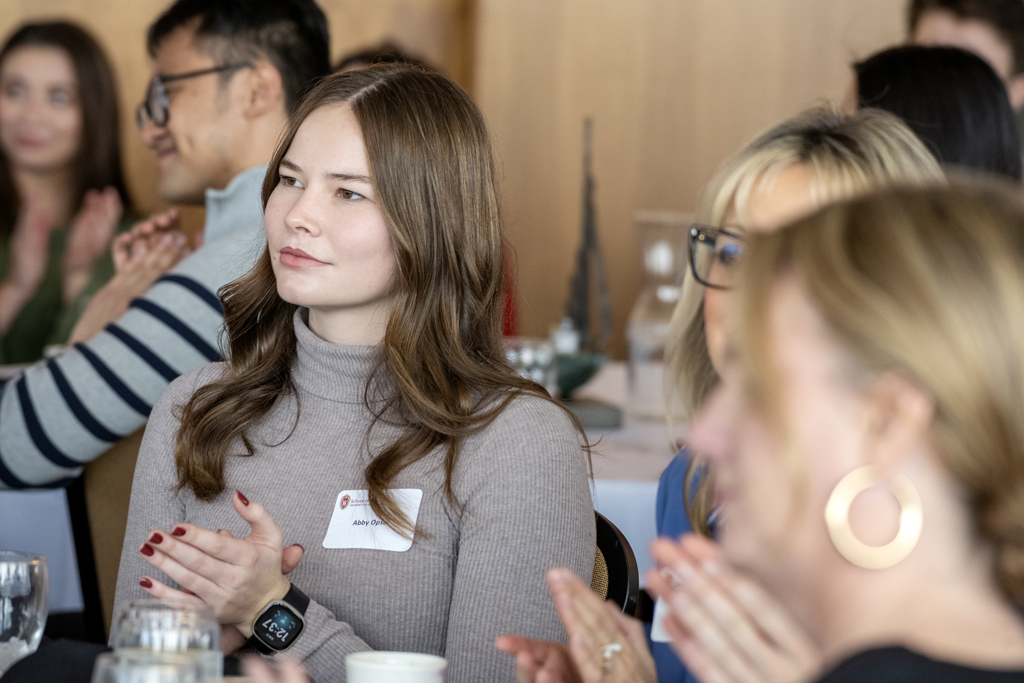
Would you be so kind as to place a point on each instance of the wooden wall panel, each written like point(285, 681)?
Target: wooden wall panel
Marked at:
point(674, 86)
point(434, 29)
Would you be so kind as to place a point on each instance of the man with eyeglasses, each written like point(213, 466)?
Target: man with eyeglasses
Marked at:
point(226, 74)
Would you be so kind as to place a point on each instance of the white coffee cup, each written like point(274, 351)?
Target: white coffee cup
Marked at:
point(394, 667)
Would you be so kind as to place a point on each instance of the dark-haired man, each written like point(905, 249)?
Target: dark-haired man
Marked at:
point(226, 73)
point(992, 29)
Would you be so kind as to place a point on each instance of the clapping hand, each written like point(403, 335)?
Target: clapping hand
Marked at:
point(27, 261)
point(725, 627)
point(141, 256)
point(289, 671)
point(236, 577)
point(604, 645)
point(89, 238)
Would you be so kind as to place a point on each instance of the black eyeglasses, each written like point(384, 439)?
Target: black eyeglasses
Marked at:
point(714, 253)
point(155, 107)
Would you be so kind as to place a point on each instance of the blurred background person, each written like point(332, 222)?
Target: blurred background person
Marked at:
point(877, 383)
point(951, 98)
point(992, 29)
point(384, 53)
point(62, 192)
point(223, 84)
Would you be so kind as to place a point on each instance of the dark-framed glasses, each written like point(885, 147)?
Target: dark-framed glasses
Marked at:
point(155, 107)
point(714, 255)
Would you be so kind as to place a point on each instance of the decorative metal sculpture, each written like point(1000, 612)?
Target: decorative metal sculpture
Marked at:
point(588, 294)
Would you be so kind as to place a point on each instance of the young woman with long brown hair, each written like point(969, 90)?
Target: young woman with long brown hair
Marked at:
point(367, 410)
point(62, 192)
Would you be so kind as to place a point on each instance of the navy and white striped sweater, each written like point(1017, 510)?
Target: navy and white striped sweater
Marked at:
point(63, 412)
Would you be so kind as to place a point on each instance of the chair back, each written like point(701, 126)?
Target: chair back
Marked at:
point(616, 576)
point(108, 490)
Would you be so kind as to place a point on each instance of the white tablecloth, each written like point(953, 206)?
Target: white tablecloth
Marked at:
point(627, 465)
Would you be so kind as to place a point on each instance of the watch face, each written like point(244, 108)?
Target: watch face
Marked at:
point(278, 627)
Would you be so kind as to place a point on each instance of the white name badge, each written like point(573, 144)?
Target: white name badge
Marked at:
point(354, 524)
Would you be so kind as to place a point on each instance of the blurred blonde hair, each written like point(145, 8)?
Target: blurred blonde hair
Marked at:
point(848, 154)
point(927, 283)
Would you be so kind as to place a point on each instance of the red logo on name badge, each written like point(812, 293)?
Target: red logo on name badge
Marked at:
point(345, 500)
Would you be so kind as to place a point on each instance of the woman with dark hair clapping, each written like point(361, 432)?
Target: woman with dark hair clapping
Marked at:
point(62, 192)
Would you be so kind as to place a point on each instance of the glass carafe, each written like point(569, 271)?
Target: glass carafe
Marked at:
point(663, 249)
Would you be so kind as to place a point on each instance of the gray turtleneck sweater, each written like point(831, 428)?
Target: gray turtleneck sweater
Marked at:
point(475, 573)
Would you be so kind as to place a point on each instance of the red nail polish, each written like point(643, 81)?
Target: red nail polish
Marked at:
point(300, 545)
point(146, 583)
point(147, 550)
point(178, 531)
point(156, 538)
point(241, 497)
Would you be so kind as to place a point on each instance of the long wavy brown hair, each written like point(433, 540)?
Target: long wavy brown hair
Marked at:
point(442, 356)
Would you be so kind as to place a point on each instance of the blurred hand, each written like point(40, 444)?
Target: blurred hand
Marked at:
point(143, 236)
point(288, 671)
point(594, 627)
point(29, 253)
point(725, 627)
point(89, 238)
point(539, 661)
point(137, 264)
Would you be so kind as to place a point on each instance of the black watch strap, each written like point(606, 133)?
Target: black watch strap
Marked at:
point(295, 598)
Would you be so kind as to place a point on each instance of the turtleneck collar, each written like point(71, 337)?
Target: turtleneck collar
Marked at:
point(335, 372)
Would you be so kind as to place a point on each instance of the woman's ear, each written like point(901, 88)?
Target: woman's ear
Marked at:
point(899, 419)
point(263, 89)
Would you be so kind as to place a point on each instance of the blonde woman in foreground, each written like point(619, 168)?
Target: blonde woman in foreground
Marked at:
point(787, 172)
point(867, 440)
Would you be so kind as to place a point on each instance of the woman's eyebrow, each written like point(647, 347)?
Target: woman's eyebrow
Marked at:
point(350, 177)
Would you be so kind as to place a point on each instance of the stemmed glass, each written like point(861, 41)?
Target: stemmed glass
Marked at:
point(172, 627)
point(24, 603)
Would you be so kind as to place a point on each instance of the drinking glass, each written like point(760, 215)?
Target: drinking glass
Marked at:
point(172, 627)
point(147, 667)
point(533, 358)
point(662, 238)
point(24, 603)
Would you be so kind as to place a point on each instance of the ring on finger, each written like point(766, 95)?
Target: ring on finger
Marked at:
point(608, 652)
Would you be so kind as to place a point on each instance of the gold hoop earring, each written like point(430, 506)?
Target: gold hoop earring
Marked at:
point(837, 517)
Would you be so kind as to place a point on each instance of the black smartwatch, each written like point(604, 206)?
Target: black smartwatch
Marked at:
point(278, 626)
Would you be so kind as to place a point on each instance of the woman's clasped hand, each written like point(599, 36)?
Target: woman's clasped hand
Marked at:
point(724, 626)
point(604, 644)
point(237, 577)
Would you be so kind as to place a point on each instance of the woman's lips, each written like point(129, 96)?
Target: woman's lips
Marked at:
point(30, 142)
point(296, 258)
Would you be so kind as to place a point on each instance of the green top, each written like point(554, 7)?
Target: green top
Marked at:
point(44, 319)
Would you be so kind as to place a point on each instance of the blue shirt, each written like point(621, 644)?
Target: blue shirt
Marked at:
point(672, 522)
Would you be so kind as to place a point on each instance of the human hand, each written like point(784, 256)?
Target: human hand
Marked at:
point(606, 645)
point(289, 671)
point(236, 577)
point(231, 639)
point(143, 236)
point(724, 626)
point(137, 268)
point(92, 228)
point(593, 626)
point(539, 661)
point(30, 246)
